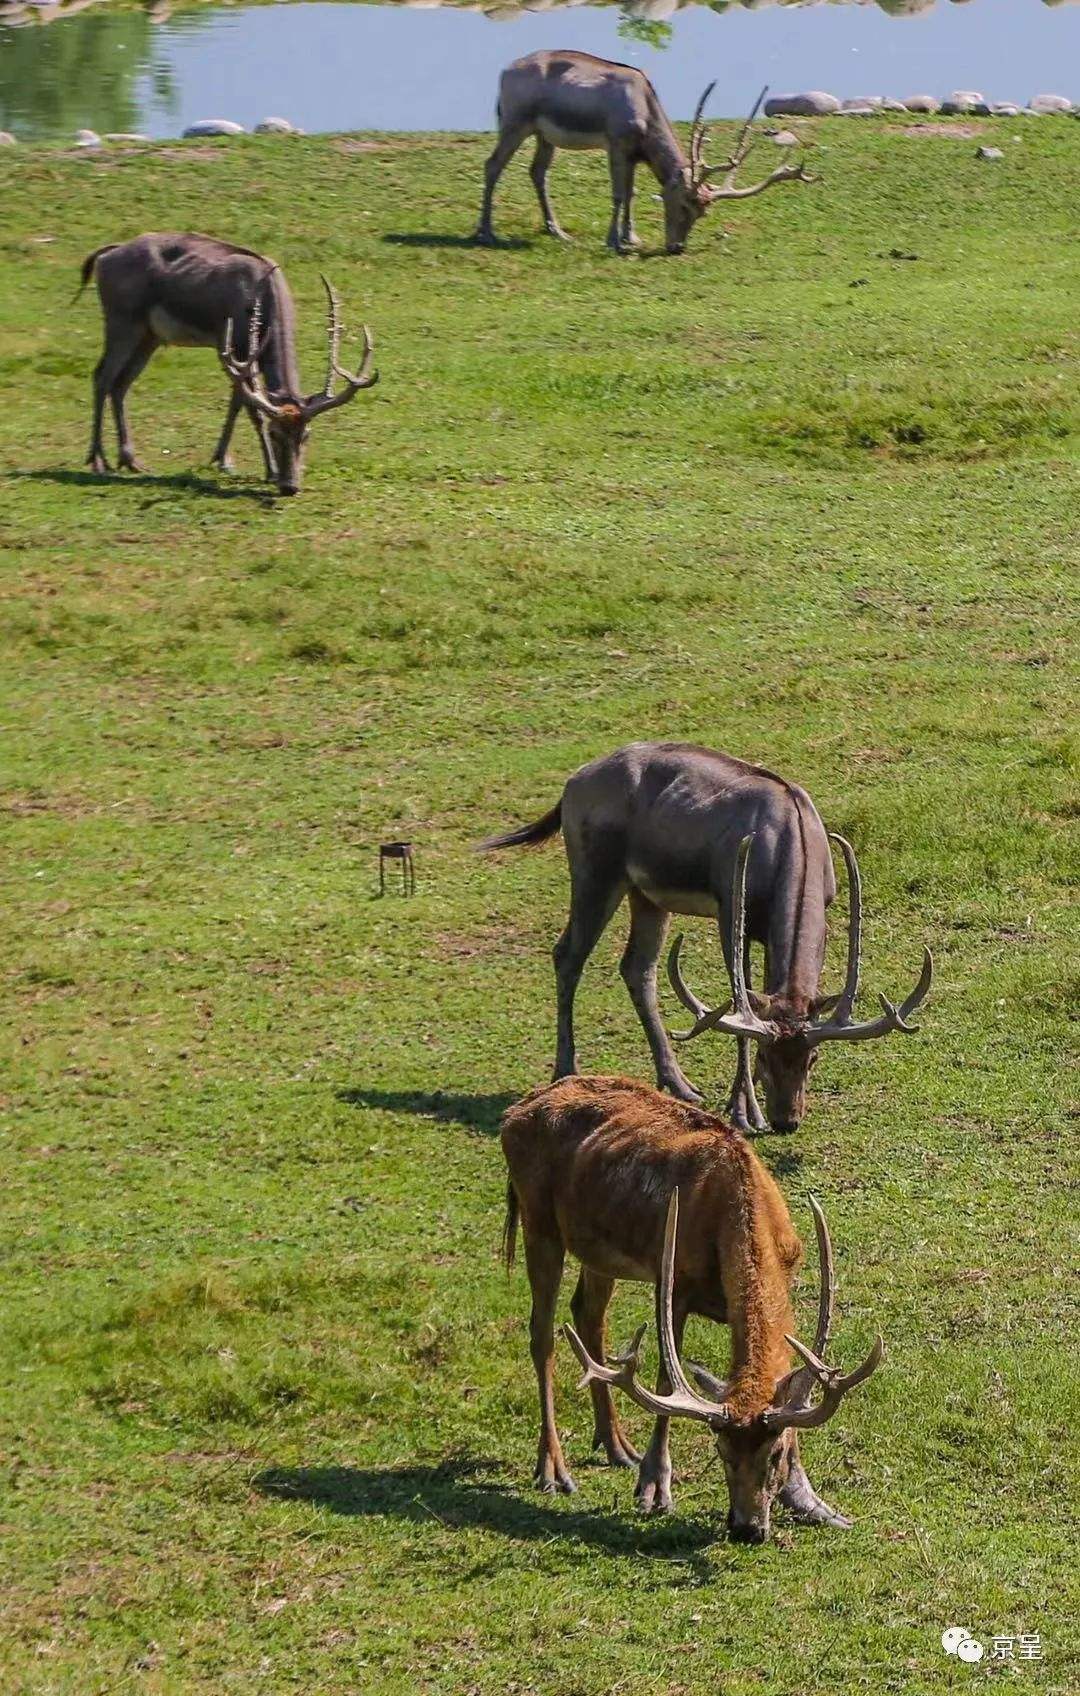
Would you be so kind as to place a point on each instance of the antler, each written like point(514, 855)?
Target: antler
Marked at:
point(697, 137)
point(891, 1018)
point(842, 1015)
point(743, 1021)
point(700, 172)
point(246, 373)
point(683, 1400)
point(797, 1409)
point(364, 378)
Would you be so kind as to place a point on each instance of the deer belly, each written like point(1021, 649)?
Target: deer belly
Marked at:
point(692, 903)
point(177, 334)
point(579, 140)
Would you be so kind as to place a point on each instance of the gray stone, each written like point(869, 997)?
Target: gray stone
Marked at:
point(213, 126)
point(786, 138)
point(1004, 109)
point(861, 100)
point(1050, 103)
point(922, 103)
point(888, 104)
point(124, 135)
point(989, 153)
point(277, 126)
point(87, 138)
point(6, 139)
point(965, 109)
point(814, 104)
point(967, 97)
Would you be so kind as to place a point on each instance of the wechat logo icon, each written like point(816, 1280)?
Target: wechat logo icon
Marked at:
point(958, 1641)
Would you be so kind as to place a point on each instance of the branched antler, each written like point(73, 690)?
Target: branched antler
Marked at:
point(363, 378)
point(700, 172)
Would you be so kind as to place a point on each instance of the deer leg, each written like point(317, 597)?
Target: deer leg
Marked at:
point(507, 145)
point(648, 927)
point(629, 237)
point(588, 1306)
point(621, 189)
point(653, 1492)
point(742, 1108)
point(538, 171)
point(593, 900)
point(803, 1502)
point(135, 365)
point(544, 1258)
point(122, 340)
point(221, 456)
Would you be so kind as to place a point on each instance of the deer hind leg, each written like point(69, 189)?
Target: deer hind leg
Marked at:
point(648, 927)
point(544, 1258)
point(123, 338)
point(653, 1492)
point(589, 1305)
point(538, 171)
point(594, 897)
point(134, 367)
point(510, 139)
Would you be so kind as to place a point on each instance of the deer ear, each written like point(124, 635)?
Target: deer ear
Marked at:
point(759, 1003)
point(709, 1382)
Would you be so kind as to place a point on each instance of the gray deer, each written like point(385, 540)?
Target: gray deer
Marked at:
point(680, 829)
point(571, 99)
point(195, 291)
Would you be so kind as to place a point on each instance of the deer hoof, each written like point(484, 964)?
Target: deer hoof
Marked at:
point(486, 238)
point(617, 1449)
point(99, 465)
point(128, 462)
point(560, 1484)
point(681, 1089)
point(654, 1497)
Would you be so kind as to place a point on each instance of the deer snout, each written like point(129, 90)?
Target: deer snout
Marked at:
point(752, 1531)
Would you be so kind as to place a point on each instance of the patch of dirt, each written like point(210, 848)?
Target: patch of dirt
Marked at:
point(488, 939)
point(954, 132)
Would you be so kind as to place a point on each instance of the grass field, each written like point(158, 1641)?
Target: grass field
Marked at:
point(810, 494)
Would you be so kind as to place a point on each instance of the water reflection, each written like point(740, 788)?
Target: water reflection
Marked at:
point(416, 64)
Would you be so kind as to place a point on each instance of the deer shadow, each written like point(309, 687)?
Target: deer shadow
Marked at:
point(174, 480)
point(424, 238)
point(460, 1493)
point(475, 1112)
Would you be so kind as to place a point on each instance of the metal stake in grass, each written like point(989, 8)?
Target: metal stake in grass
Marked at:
point(402, 851)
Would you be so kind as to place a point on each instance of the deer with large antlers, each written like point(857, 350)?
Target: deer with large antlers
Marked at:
point(195, 291)
point(571, 99)
point(680, 829)
point(636, 1185)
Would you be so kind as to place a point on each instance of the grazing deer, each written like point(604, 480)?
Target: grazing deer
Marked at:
point(571, 99)
point(606, 1168)
point(682, 829)
point(194, 291)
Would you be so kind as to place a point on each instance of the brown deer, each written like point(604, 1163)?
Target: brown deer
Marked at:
point(682, 829)
point(637, 1185)
point(195, 291)
point(571, 99)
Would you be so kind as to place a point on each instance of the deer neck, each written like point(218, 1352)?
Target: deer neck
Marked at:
point(663, 151)
point(278, 364)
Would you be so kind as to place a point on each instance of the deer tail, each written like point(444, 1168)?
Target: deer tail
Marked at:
point(510, 1226)
point(88, 267)
point(527, 835)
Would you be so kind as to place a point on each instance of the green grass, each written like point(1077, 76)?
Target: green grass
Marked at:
point(267, 1413)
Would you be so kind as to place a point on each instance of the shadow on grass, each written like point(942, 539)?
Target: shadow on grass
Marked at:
point(421, 238)
point(477, 1112)
point(458, 1493)
point(175, 480)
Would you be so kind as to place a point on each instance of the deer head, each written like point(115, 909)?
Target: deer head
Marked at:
point(787, 1050)
point(688, 195)
point(760, 1454)
point(288, 420)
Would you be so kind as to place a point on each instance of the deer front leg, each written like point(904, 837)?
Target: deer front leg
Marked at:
point(594, 896)
point(544, 1258)
point(653, 1492)
point(742, 1108)
point(621, 190)
point(648, 927)
point(221, 456)
point(538, 171)
point(588, 1306)
point(507, 145)
point(803, 1502)
point(629, 236)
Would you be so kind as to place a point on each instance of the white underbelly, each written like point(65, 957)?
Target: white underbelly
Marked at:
point(693, 903)
point(578, 139)
point(169, 329)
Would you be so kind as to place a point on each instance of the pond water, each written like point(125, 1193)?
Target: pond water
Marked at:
point(422, 66)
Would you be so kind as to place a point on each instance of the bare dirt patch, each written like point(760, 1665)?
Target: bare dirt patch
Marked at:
point(953, 132)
